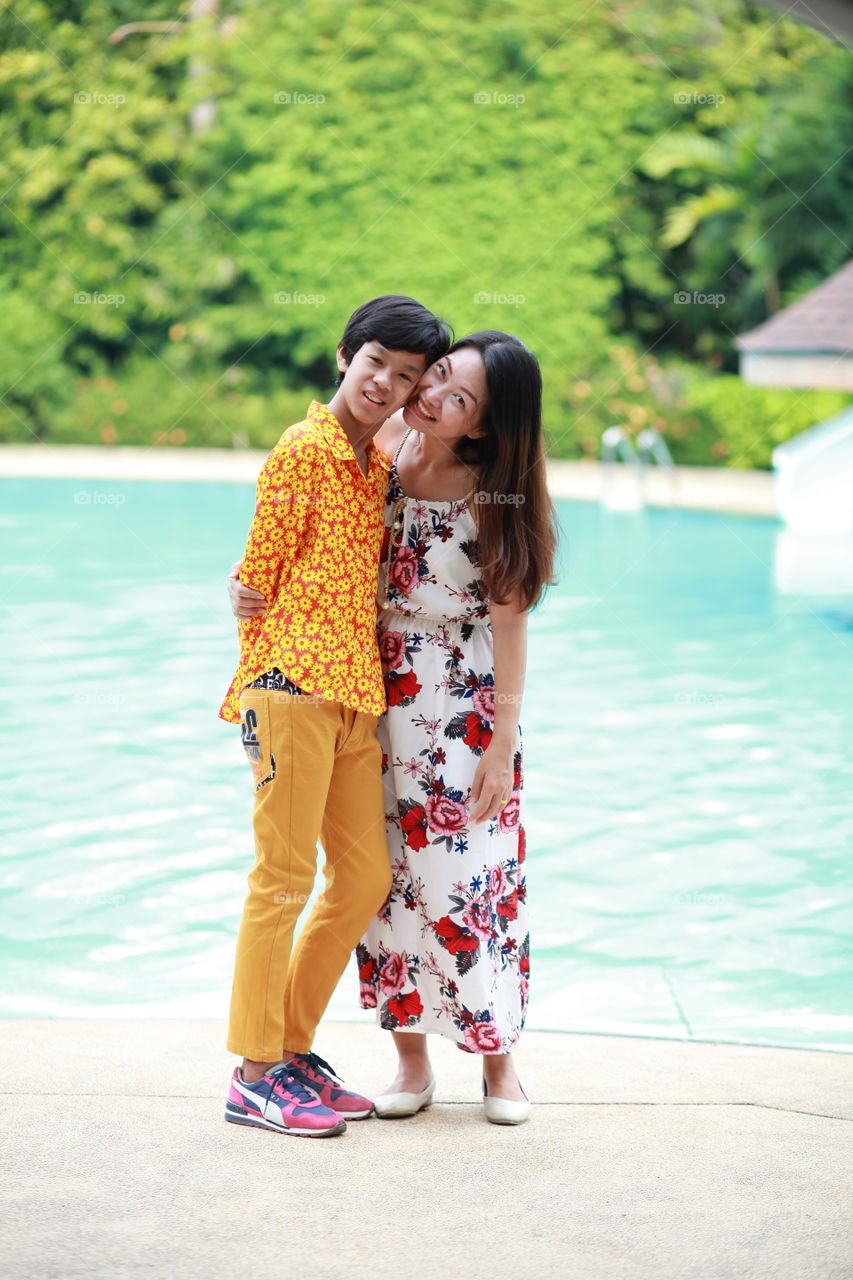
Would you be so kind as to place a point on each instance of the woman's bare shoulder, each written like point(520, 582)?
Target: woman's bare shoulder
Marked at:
point(390, 434)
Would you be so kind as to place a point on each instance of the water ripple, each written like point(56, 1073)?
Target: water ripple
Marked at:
point(689, 766)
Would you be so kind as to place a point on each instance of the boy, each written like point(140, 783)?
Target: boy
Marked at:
point(308, 693)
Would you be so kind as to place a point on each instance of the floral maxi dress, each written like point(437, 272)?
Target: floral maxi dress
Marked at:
point(449, 951)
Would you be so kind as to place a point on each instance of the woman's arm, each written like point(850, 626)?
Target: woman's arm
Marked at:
point(493, 780)
point(245, 601)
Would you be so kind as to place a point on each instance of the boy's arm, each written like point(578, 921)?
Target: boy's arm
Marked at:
point(283, 504)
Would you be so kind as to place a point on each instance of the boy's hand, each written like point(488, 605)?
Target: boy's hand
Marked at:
point(492, 785)
point(245, 601)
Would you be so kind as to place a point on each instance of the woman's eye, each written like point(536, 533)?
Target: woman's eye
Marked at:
point(440, 368)
point(460, 401)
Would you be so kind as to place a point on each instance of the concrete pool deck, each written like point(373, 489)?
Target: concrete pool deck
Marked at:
point(643, 1158)
point(701, 488)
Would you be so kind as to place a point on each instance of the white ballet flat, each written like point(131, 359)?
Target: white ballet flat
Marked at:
point(391, 1106)
point(505, 1110)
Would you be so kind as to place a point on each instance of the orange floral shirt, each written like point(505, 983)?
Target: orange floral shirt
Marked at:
point(313, 551)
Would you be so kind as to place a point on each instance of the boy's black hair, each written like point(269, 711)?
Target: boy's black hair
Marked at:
point(399, 323)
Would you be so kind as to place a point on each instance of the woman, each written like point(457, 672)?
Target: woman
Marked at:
point(469, 546)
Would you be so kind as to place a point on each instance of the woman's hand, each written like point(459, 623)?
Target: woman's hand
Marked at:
point(245, 601)
point(493, 779)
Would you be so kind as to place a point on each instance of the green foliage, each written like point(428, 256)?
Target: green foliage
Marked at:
point(145, 405)
point(705, 418)
point(754, 183)
point(740, 425)
point(525, 166)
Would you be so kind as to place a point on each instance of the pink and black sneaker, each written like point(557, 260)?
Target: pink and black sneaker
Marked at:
point(321, 1078)
point(281, 1101)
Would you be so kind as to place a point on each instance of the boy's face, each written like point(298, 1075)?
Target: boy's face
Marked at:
point(378, 381)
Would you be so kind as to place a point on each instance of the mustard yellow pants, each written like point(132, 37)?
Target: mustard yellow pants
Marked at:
point(317, 771)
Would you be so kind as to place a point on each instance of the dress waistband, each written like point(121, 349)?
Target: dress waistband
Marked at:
point(438, 618)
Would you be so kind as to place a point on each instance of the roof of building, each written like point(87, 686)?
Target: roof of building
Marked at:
point(821, 321)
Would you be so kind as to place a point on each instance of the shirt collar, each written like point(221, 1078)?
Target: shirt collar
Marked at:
point(336, 438)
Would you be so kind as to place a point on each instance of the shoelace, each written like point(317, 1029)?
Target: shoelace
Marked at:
point(321, 1066)
point(290, 1081)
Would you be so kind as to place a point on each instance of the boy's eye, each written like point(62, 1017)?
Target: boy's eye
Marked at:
point(406, 376)
point(375, 359)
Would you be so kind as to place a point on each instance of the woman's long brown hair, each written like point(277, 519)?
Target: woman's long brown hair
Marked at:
point(516, 522)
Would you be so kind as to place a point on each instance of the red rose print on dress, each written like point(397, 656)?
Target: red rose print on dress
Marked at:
point(498, 883)
point(367, 995)
point(454, 938)
point(484, 703)
point(508, 908)
point(393, 975)
point(413, 824)
point(483, 1037)
point(392, 647)
point(406, 1008)
point(445, 815)
point(478, 918)
point(508, 817)
point(404, 569)
point(477, 734)
point(401, 688)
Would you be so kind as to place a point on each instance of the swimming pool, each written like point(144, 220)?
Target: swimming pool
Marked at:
point(689, 768)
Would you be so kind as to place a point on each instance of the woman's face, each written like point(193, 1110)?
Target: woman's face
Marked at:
point(451, 397)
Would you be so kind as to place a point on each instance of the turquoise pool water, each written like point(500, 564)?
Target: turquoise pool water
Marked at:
point(689, 745)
